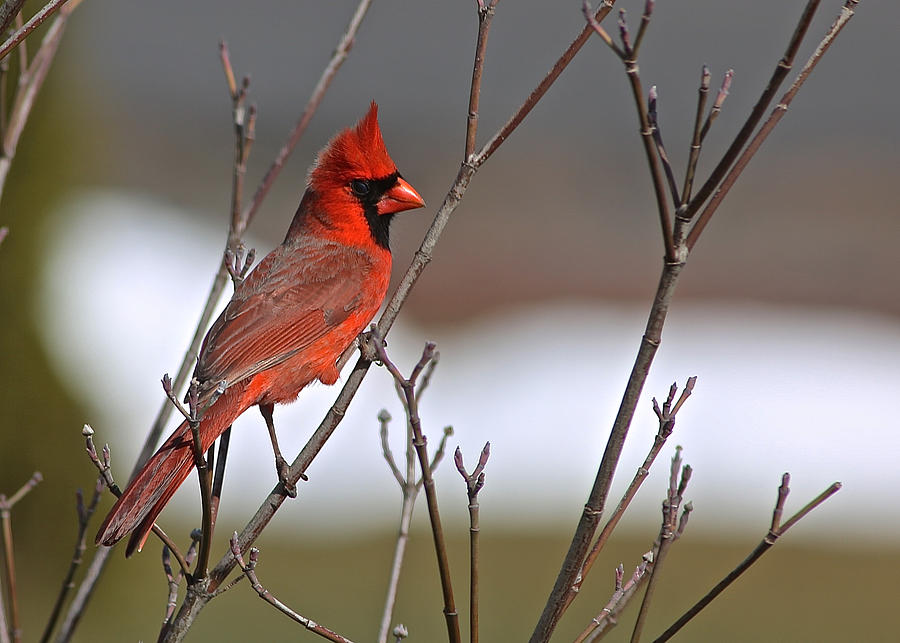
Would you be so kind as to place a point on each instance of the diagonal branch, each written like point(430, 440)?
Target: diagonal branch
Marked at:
point(25, 30)
point(775, 531)
point(249, 569)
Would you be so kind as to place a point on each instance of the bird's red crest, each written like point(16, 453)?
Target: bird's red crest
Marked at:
point(356, 152)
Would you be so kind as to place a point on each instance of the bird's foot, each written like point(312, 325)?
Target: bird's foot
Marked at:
point(283, 469)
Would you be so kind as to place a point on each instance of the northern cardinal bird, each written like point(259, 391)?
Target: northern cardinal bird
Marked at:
point(293, 316)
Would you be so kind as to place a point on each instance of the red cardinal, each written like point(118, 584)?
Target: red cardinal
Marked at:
point(293, 316)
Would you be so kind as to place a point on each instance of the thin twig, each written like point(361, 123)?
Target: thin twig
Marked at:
point(36, 20)
point(105, 469)
point(628, 55)
point(694, 154)
point(474, 483)
point(485, 15)
point(84, 517)
point(765, 544)
point(9, 570)
point(620, 595)
point(249, 569)
point(716, 108)
point(660, 148)
point(409, 488)
point(538, 92)
point(174, 579)
point(645, 22)
point(603, 623)
point(667, 534)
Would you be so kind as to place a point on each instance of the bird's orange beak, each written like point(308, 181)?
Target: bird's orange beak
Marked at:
point(399, 198)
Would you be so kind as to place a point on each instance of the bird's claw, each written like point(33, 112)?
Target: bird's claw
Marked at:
point(281, 466)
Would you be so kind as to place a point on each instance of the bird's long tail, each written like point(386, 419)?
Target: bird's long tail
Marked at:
point(156, 482)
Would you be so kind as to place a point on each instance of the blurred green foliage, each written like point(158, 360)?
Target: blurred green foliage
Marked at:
point(40, 422)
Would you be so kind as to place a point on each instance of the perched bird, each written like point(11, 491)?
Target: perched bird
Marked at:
point(291, 318)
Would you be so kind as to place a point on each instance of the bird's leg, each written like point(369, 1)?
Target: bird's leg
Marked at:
point(281, 465)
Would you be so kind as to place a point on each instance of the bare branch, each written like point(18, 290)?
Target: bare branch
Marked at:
point(485, 15)
point(618, 600)
point(474, 482)
point(105, 470)
point(668, 533)
point(249, 569)
point(660, 148)
point(409, 388)
point(765, 544)
point(84, 516)
point(9, 569)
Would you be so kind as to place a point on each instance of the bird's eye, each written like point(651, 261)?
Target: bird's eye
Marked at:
point(360, 187)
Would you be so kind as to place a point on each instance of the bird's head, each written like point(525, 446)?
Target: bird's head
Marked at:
point(355, 177)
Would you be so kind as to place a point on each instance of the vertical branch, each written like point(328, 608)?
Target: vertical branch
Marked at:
point(6, 505)
point(694, 155)
point(474, 483)
point(667, 534)
point(84, 517)
point(485, 15)
point(628, 55)
point(409, 488)
point(437, 531)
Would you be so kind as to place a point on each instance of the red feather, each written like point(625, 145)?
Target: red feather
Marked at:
point(293, 316)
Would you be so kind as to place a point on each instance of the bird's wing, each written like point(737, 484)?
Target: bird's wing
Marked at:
point(285, 304)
